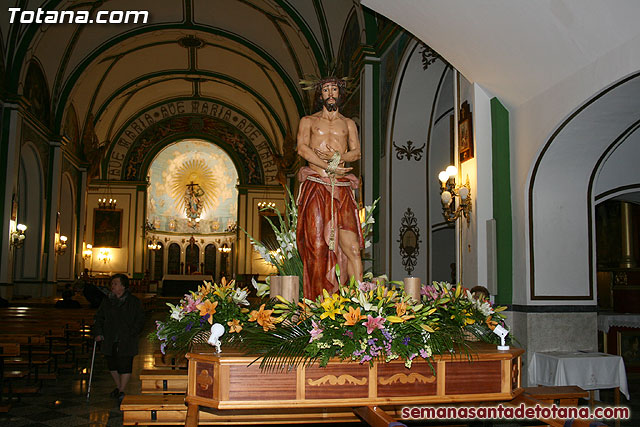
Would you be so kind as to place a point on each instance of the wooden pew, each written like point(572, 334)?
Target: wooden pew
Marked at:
point(168, 360)
point(151, 409)
point(164, 381)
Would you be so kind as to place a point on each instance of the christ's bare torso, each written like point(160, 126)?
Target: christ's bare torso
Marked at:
point(328, 135)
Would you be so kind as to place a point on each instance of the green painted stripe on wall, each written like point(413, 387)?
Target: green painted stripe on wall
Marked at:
point(501, 169)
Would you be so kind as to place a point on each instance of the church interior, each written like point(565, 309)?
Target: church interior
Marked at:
point(156, 148)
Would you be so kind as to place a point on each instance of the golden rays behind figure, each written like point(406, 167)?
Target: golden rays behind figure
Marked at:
point(194, 171)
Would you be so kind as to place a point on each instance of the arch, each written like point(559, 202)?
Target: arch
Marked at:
point(147, 145)
point(210, 252)
point(67, 222)
point(191, 259)
point(157, 270)
point(414, 98)
point(560, 193)
point(173, 259)
point(31, 206)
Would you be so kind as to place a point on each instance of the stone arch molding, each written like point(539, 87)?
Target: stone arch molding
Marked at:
point(560, 194)
point(143, 135)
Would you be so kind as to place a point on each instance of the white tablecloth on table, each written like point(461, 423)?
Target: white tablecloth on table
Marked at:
point(605, 321)
point(590, 371)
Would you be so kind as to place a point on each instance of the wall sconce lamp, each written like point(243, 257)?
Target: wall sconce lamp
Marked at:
point(86, 254)
point(61, 245)
point(224, 249)
point(17, 237)
point(104, 255)
point(449, 191)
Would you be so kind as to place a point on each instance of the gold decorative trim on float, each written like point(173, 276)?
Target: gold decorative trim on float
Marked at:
point(407, 379)
point(341, 380)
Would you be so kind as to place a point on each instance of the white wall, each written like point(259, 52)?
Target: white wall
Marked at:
point(416, 95)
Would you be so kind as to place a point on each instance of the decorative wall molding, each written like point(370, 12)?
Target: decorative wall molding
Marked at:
point(409, 241)
point(408, 151)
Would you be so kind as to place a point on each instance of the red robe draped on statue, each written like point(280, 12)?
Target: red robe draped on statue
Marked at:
point(314, 227)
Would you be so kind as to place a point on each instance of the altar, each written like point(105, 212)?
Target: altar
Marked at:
point(176, 285)
point(228, 388)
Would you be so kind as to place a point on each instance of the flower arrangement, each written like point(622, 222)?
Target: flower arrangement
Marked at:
point(364, 322)
point(191, 319)
point(475, 315)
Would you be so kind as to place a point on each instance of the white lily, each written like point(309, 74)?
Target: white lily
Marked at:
point(176, 312)
point(240, 296)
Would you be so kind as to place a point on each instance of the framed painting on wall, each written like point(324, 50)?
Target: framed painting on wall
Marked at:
point(465, 133)
point(107, 227)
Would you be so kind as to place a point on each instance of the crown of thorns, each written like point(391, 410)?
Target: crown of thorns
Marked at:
point(317, 83)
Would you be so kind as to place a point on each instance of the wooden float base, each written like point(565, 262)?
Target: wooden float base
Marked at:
point(229, 382)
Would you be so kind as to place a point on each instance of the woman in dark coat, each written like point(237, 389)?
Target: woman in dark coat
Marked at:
point(118, 323)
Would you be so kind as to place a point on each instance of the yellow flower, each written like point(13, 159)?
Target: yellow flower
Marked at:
point(401, 316)
point(263, 317)
point(353, 316)
point(208, 307)
point(204, 290)
point(234, 326)
point(332, 305)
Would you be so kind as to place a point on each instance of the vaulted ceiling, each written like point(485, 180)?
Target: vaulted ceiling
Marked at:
point(247, 54)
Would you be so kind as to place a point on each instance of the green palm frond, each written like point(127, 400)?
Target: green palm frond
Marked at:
point(277, 350)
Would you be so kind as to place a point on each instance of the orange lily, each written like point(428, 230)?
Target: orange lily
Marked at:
point(234, 326)
point(208, 307)
point(491, 323)
point(353, 316)
point(263, 317)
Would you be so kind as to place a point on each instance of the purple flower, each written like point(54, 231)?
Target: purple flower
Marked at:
point(406, 340)
point(424, 354)
point(374, 323)
point(365, 358)
point(173, 338)
point(188, 327)
point(386, 334)
point(163, 348)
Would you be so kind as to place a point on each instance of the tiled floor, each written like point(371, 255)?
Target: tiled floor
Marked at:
point(64, 402)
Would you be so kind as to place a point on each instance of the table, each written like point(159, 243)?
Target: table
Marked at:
point(231, 389)
point(590, 371)
point(606, 321)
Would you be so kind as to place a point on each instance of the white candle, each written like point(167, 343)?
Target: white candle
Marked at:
point(412, 287)
point(290, 286)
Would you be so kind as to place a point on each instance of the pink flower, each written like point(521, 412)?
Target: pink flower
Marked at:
point(316, 332)
point(367, 286)
point(191, 304)
point(374, 323)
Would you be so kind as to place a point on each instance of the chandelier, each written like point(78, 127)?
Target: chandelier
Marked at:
point(107, 202)
point(193, 203)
